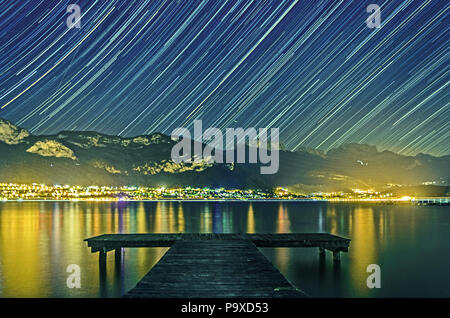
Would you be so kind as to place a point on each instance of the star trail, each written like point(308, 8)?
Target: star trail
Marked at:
point(311, 68)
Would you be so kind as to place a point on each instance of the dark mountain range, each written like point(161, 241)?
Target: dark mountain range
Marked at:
point(86, 158)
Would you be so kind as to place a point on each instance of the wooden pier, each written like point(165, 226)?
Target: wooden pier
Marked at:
point(431, 201)
point(214, 265)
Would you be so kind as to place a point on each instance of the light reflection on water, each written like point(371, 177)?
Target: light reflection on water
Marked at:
point(38, 240)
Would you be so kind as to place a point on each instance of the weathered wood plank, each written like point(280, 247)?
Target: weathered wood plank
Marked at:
point(206, 267)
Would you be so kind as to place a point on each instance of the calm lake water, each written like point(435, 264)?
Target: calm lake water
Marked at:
point(411, 244)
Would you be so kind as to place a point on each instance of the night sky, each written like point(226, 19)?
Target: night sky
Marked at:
point(312, 68)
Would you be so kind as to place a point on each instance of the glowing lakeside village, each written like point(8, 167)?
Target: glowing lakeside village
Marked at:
point(42, 192)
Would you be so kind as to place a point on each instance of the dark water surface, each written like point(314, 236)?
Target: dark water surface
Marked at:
point(411, 244)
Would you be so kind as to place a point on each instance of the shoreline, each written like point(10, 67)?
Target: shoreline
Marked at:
point(434, 201)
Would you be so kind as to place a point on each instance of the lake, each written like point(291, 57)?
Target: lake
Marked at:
point(411, 244)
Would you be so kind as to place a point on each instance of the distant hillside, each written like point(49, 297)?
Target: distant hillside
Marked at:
point(421, 191)
point(85, 158)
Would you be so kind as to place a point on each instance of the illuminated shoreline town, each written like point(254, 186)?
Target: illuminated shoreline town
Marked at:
point(42, 192)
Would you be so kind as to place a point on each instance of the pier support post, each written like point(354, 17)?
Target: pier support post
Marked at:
point(102, 266)
point(118, 255)
point(321, 251)
point(102, 258)
point(102, 272)
point(336, 256)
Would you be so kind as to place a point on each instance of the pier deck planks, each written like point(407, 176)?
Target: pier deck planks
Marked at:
point(214, 269)
point(324, 240)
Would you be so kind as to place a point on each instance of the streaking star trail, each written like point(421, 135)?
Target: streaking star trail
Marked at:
point(312, 68)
